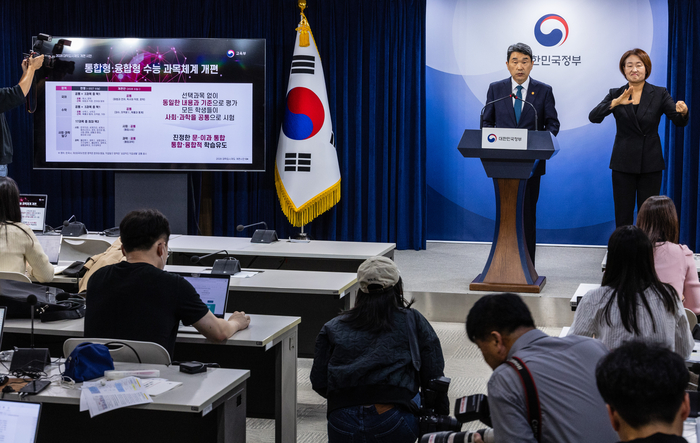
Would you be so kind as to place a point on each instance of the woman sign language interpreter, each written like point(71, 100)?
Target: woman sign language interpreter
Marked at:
point(637, 160)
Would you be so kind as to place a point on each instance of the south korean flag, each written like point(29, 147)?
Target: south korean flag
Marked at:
point(307, 175)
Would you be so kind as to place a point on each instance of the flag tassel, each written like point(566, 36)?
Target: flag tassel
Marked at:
point(304, 30)
point(311, 209)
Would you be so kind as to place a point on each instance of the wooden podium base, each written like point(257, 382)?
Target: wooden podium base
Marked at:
point(535, 288)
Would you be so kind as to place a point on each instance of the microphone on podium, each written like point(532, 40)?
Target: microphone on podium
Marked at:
point(481, 116)
point(531, 105)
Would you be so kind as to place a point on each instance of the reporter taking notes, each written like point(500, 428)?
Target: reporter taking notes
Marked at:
point(637, 160)
point(137, 300)
point(18, 244)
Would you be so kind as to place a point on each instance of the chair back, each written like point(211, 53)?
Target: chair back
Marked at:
point(15, 276)
point(77, 248)
point(692, 318)
point(129, 351)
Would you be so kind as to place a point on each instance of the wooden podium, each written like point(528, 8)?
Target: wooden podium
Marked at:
point(509, 267)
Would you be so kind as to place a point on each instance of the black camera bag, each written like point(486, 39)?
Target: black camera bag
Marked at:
point(16, 297)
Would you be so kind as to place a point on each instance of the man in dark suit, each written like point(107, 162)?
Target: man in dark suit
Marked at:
point(513, 113)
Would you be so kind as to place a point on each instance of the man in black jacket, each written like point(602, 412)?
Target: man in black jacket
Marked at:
point(10, 98)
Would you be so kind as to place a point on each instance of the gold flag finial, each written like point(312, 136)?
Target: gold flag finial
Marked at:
point(304, 28)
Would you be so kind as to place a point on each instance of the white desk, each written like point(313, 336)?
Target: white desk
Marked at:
point(317, 255)
point(335, 284)
point(695, 354)
point(209, 406)
point(691, 429)
point(268, 347)
point(582, 289)
point(315, 296)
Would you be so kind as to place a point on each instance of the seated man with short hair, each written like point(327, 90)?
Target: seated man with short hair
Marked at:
point(137, 300)
point(644, 388)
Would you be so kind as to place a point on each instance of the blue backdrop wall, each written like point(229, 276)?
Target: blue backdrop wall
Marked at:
point(374, 57)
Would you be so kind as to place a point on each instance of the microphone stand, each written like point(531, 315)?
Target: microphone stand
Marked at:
point(533, 109)
point(481, 116)
point(227, 265)
point(260, 235)
point(30, 361)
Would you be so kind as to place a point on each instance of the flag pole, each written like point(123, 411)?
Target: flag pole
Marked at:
point(302, 236)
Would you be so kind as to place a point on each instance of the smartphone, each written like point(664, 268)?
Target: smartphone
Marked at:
point(35, 386)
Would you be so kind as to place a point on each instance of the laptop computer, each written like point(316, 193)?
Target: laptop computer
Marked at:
point(19, 421)
point(213, 290)
point(33, 210)
point(51, 244)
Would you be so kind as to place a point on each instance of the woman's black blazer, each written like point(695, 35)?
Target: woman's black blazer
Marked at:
point(637, 148)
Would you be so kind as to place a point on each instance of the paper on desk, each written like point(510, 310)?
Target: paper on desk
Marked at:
point(156, 386)
point(114, 394)
point(244, 274)
point(58, 269)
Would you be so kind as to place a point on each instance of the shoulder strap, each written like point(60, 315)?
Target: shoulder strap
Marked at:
point(69, 314)
point(413, 338)
point(532, 399)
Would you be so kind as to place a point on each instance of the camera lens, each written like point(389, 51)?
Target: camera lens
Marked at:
point(458, 437)
point(49, 60)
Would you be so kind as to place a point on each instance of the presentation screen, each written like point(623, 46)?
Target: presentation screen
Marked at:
point(151, 104)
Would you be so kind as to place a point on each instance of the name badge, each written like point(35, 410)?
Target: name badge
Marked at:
point(503, 138)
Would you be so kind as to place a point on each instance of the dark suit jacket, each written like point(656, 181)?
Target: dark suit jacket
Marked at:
point(502, 115)
point(637, 148)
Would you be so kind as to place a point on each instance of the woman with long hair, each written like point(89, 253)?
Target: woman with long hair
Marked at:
point(674, 263)
point(18, 244)
point(363, 363)
point(632, 303)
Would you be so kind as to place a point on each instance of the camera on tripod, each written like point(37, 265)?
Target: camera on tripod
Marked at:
point(49, 59)
point(467, 409)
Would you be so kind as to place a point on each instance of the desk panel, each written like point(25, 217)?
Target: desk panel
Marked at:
point(268, 348)
point(317, 255)
point(207, 407)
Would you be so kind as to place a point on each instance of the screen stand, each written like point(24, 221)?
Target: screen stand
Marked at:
point(164, 191)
